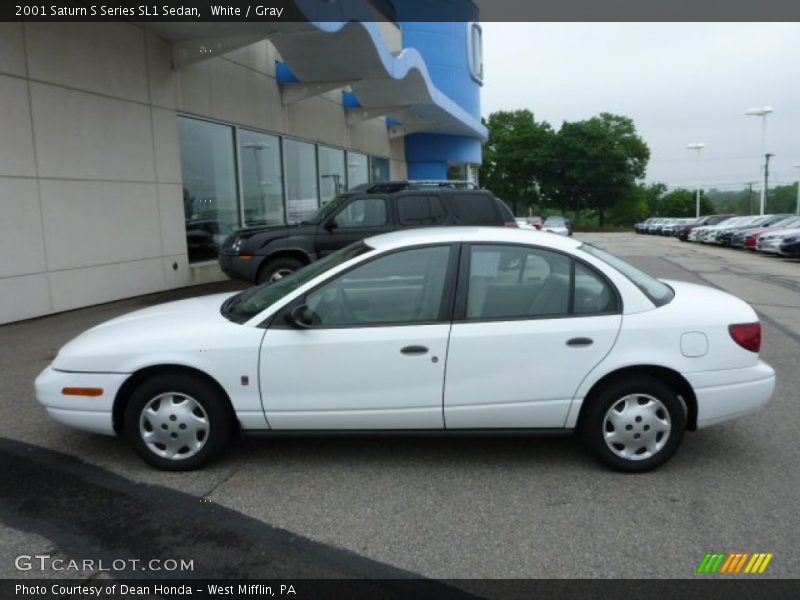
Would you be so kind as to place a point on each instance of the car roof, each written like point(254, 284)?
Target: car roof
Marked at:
point(448, 235)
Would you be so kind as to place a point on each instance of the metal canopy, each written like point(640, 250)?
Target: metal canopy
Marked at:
point(332, 55)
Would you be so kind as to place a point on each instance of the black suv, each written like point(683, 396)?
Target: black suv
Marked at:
point(266, 254)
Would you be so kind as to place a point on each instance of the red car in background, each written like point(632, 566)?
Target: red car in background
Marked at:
point(752, 237)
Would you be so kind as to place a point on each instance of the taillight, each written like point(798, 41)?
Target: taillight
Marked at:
point(747, 335)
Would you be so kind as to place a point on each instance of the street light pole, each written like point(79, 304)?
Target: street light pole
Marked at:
point(698, 146)
point(762, 111)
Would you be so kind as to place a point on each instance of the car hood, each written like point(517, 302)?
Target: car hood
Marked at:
point(262, 235)
point(180, 325)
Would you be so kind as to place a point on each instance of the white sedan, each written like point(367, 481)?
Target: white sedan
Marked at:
point(422, 330)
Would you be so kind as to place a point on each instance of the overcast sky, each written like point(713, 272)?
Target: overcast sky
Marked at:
point(680, 82)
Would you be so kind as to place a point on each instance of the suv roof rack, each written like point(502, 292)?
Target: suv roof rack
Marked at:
point(389, 187)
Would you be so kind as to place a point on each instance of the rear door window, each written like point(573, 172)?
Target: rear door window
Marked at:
point(476, 209)
point(420, 210)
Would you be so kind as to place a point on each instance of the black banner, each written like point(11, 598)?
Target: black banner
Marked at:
point(389, 589)
point(408, 10)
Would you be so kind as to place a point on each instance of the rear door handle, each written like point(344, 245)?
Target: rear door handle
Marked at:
point(414, 350)
point(579, 342)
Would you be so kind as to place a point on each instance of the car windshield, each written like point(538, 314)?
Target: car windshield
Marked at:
point(326, 210)
point(658, 292)
point(247, 304)
point(554, 221)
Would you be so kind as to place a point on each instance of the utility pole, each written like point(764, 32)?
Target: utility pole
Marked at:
point(767, 156)
point(750, 196)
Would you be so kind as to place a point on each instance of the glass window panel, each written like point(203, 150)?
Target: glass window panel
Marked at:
point(516, 282)
point(592, 294)
point(332, 174)
point(380, 168)
point(368, 212)
point(456, 171)
point(419, 210)
point(209, 186)
point(402, 287)
point(476, 209)
point(262, 180)
point(301, 180)
point(357, 169)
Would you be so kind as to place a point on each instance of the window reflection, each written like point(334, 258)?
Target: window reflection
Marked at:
point(332, 174)
point(301, 180)
point(209, 186)
point(380, 168)
point(262, 180)
point(357, 169)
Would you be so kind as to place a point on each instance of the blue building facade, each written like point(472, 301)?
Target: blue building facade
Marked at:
point(453, 55)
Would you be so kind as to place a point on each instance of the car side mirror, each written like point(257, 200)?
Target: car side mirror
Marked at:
point(300, 317)
point(330, 224)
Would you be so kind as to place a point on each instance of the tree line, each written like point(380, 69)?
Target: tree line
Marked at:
point(590, 171)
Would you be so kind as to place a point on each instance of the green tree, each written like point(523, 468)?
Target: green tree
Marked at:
point(782, 199)
point(595, 164)
point(515, 157)
point(683, 203)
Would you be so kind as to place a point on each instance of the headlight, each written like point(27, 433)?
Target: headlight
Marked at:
point(237, 245)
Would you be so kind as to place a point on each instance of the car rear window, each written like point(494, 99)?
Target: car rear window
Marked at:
point(475, 209)
point(658, 292)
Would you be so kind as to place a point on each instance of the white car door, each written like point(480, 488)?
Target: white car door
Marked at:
point(529, 326)
point(375, 353)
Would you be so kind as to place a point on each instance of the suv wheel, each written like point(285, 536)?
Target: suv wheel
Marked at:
point(634, 424)
point(278, 268)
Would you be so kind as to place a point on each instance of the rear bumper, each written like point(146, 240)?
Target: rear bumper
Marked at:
point(80, 412)
point(732, 393)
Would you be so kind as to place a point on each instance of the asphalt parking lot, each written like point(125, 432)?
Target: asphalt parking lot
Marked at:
point(443, 508)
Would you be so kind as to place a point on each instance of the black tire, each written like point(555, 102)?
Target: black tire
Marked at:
point(213, 408)
point(285, 264)
point(593, 428)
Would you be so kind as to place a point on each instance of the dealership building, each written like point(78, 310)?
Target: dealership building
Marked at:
point(129, 151)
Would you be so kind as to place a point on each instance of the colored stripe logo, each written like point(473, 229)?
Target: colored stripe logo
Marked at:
point(734, 563)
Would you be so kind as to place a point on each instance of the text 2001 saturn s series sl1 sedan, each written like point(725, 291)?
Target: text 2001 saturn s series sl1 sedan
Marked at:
point(452, 329)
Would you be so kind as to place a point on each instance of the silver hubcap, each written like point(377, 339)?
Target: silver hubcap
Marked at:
point(636, 426)
point(280, 274)
point(174, 426)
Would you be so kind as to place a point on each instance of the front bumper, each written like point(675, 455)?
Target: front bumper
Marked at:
point(80, 412)
point(768, 246)
point(234, 266)
point(732, 393)
point(791, 249)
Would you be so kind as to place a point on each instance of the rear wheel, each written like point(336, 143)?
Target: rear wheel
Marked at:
point(278, 268)
point(634, 424)
point(177, 422)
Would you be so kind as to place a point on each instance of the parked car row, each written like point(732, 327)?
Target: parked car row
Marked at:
point(771, 234)
point(663, 226)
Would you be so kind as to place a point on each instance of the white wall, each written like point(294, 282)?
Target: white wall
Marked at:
point(91, 206)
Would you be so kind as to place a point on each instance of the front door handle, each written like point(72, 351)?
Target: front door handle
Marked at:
point(580, 342)
point(414, 350)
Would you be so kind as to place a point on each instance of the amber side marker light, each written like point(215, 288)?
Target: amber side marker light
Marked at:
point(245, 257)
point(81, 391)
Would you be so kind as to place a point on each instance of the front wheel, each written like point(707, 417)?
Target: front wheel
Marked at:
point(634, 424)
point(278, 268)
point(176, 422)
